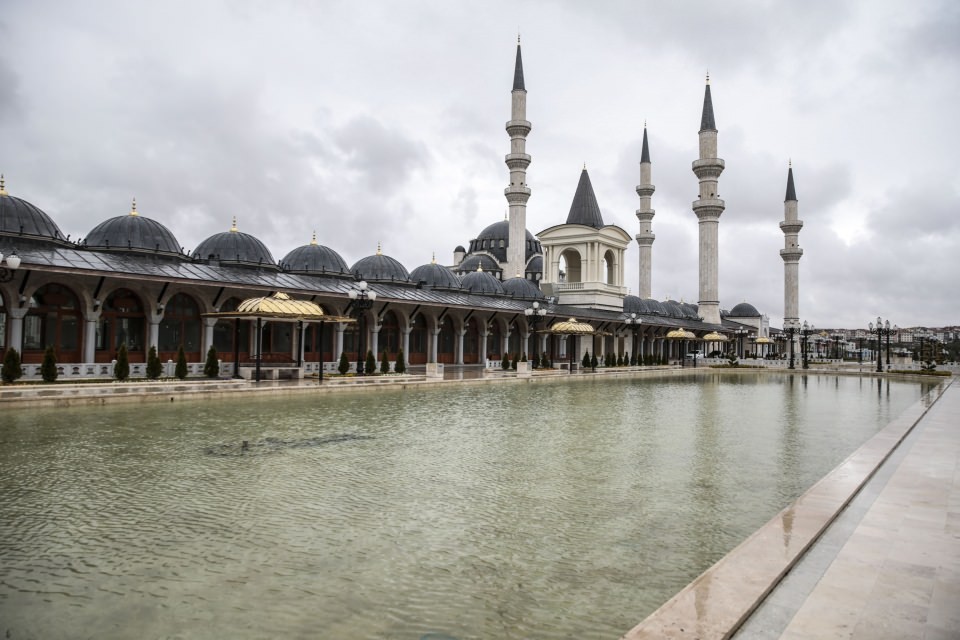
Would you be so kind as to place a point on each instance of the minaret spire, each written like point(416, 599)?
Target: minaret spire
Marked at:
point(708, 208)
point(645, 215)
point(791, 254)
point(517, 193)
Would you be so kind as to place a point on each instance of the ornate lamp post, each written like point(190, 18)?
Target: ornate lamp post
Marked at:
point(12, 263)
point(634, 323)
point(805, 331)
point(362, 299)
point(535, 313)
point(882, 329)
point(791, 331)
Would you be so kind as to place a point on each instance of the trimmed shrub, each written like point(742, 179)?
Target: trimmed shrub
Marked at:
point(211, 367)
point(505, 363)
point(593, 361)
point(384, 363)
point(544, 362)
point(48, 370)
point(11, 366)
point(370, 366)
point(586, 360)
point(523, 357)
point(121, 370)
point(344, 365)
point(513, 364)
point(181, 369)
point(400, 366)
point(154, 366)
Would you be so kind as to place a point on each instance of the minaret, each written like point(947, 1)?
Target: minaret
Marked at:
point(791, 254)
point(708, 208)
point(517, 160)
point(645, 216)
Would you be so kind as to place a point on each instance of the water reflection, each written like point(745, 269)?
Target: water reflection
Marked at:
point(552, 510)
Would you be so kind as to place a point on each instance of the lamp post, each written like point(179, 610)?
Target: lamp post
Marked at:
point(882, 329)
point(740, 333)
point(12, 263)
point(535, 313)
point(805, 331)
point(634, 323)
point(860, 349)
point(791, 331)
point(362, 299)
point(923, 337)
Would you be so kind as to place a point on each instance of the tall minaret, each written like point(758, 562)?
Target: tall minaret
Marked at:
point(517, 160)
point(791, 254)
point(645, 216)
point(708, 208)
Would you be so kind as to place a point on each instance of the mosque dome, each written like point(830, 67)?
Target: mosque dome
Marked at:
point(535, 266)
point(21, 219)
point(743, 310)
point(496, 237)
point(471, 263)
point(672, 309)
point(690, 311)
point(234, 247)
point(520, 287)
point(435, 276)
point(133, 233)
point(643, 306)
point(459, 249)
point(314, 259)
point(380, 268)
point(481, 282)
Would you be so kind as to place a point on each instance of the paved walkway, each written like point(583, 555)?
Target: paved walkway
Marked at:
point(889, 566)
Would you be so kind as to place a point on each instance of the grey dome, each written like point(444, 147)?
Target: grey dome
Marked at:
point(481, 282)
point(643, 306)
point(435, 276)
point(133, 233)
point(673, 309)
point(690, 310)
point(744, 310)
point(500, 231)
point(235, 247)
point(520, 287)
point(380, 268)
point(314, 259)
point(535, 266)
point(20, 218)
point(459, 249)
point(631, 304)
point(470, 264)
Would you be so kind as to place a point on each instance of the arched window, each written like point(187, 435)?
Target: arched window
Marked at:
point(389, 337)
point(418, 340)
point(224, 333)
point(570, 265)
point(180, 327)
point(122, 322)
point(53, 320)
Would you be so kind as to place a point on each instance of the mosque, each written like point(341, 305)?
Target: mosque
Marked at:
point(128, 282)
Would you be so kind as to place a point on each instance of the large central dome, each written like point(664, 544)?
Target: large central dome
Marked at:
point(496, 237)
point(22, 219)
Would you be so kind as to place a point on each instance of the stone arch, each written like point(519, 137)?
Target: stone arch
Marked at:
point(180, 325)
point(231, 337)
point(571, 265)
point(123, 321)
point(609, 267)
point(54, 318)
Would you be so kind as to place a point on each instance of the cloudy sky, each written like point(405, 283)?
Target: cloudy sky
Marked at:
point(384, 122)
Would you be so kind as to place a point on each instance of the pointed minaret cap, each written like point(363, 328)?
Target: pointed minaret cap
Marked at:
point(707, 122)
point(3, 190)
point(645, 152)
point(791, 191)
point(518, 70)
point(233, 229)
point(133, 208)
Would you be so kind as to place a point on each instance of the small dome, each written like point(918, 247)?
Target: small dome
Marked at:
point(435, 276)
point(690, 311)
point(491, 238)
point(744, 310)
point(673, 309)
point(20, 218)
point(471, 263)
point(535, 267)
point(644, 306)
point(380, 268)
point(459, 249)
point(520, 287)
point(133, 233)
point(314, 259)
point(481, 282)
point(235, 247)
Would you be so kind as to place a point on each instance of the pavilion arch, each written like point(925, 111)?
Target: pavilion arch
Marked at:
point(123, 321)
point(610, 267)
point(180, 326)
point(231, 338)
point(54, 318)
point(571, 264)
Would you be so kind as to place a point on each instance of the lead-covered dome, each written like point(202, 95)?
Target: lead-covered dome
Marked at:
point(496, 237)
point(520, 287)
point(474, 262)
point(133, 233)
point(744, 310)
point(482, 283)
point(435, 276)
point(380, 268)
point(315, 259)
point(236, 248)
point(21, 219)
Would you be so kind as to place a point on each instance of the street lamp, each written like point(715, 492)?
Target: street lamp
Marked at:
point(535, 313)
point(6, 270)
point(634, 323)
point(791, 331)
point(362, 299)
point(805, 332)
point(882, 329)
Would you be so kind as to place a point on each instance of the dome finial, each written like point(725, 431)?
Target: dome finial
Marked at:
point(133, 207)
point(3, 190)
point(233, 228)
point(480, 268)
point(379, 252)
point(434, 259)
point(313, 240)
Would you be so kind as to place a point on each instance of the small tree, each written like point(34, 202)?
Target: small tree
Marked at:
point(154, 366)
point(544, 363)
point(620, 361)
point(121, 370)
point(732, 359)
point(211, 367)
point(586, 360)
point(400, 366)
point(384, 363)
point(513, 363)
point(370, 366)
point(633, 360)
point(593, 361)
point(48, 370)
point(344, 365)
point(11, 366)
point(523, 357)
point(181, 369)
point(505, 363)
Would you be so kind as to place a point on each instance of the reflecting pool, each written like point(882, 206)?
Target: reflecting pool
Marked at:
point(550, 510)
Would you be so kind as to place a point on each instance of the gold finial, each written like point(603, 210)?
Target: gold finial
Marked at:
point(519, 275)
point(480, 268)
point(313, 240)
point(506, 212)
point(3, 190)
point(433, 260)
point(379, 252)
point(708, 77)
point(233, 229)
point(133, 208)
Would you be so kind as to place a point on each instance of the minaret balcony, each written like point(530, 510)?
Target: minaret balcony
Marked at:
point(517, 160)
point(645, 190)
point(645, 215)
point(645, 239)
point(517, 195)
point(707, 209)
point(792, 254)
point(518, 128)
point(708, 168)
point(792, 226)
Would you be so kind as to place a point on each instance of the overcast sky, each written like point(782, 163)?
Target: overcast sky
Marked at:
point(384, 121)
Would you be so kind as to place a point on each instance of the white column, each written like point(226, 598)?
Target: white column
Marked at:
point(16, 315)
point(459, 347)
point(208, 324)
point(406, 343)
point(338, 341)
point(90, 336)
